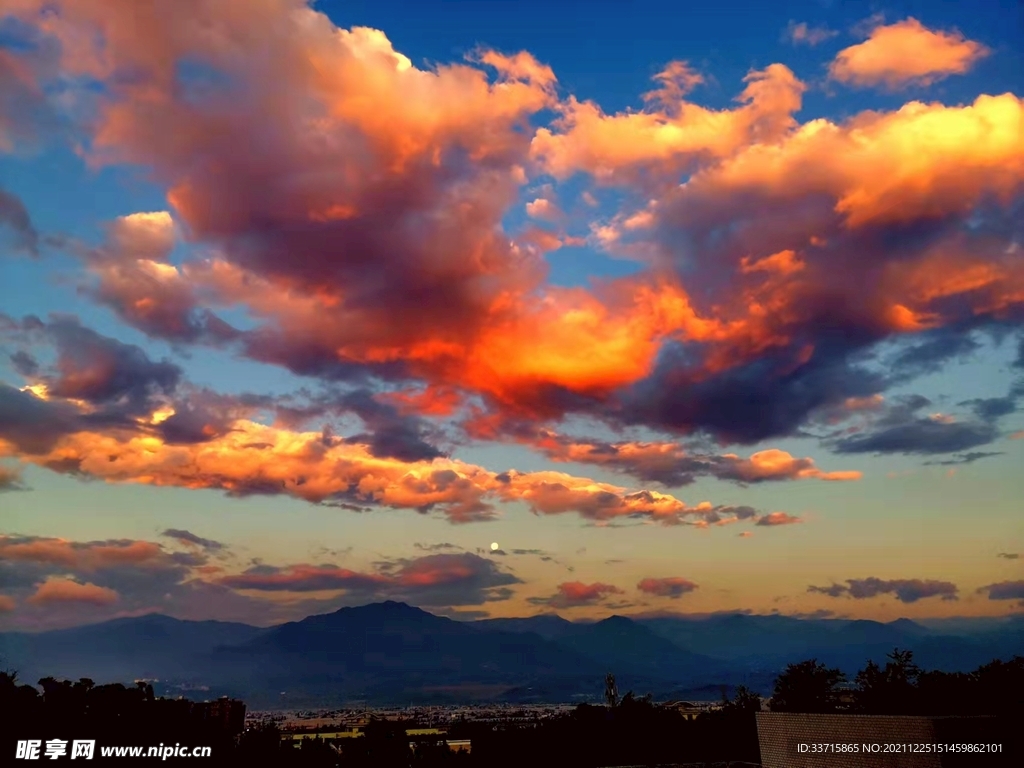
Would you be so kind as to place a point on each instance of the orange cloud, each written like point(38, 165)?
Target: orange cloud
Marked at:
point(803, 33)
point(7, 603)
point(773, 463)
point(615, 147)
point(252, 458)
point(676, 80)
point(669, 463)
point(778, 518)
point(60, 590)
point(906, 53)
point(921, 161)
point(781, 263)
point(86, 556)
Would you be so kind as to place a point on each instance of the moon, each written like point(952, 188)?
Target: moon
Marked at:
point(494, 546)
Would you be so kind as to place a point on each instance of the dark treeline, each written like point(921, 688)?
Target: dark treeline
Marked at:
point(635, 731)
point(900, 687)
point(112, 715)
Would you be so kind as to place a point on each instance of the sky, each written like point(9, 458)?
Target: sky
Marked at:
point(510, 308)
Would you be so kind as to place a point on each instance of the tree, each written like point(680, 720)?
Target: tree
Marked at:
point(807, 687)
point(889, 690)
point(746, 702)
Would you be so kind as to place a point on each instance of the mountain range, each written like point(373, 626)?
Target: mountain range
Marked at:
point(394, 653)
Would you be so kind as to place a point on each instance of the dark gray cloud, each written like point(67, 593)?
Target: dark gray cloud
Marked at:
point(923, 436)
point(104, 371)
point(26, 115)
point(24, 363)
point(673, 587)
point(992, 408)
point(120, 379)
point(930, 352)
point(903, 429)
point(32, 424)
point(187, 537)
point(392, 434)
point(1004, 590)
point(201, 415)
point(443, 546)
point(14, 216)
point(431, 580)
point(1008, 555)
point(967, 458)
point(765, 398)
point(905, 590)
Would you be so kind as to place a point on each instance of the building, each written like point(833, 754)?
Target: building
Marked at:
point(792, 740)
point(455, 745)
point(227, 714)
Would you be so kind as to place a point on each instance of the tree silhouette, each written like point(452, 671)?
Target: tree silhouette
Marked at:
point(892, 689)
point(807, 687)
point(745, 702)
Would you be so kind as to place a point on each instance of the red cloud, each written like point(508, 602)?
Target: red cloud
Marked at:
point(59, 590)
point(906, 53)
point(572, 594)
point(672, 586)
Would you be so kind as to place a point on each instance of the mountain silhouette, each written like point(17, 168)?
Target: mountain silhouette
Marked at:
point(149, 646)
point(392, 652)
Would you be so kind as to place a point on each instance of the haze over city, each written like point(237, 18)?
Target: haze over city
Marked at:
point(588, 309)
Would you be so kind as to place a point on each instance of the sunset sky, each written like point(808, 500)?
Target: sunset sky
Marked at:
point(687, 308)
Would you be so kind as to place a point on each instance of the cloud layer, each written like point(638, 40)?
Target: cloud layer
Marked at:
point(905, 590)
point(383, 231)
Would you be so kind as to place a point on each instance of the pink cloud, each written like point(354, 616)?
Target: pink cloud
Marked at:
point(60, 590)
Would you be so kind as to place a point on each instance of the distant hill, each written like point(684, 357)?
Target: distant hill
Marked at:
point(771, 642)
point(629, 648)
point(394, 653)
point(150, 646)
point(550, 626)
